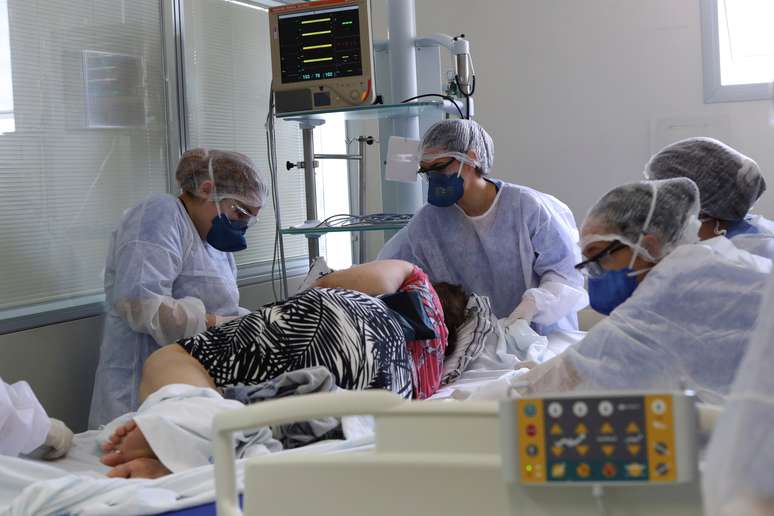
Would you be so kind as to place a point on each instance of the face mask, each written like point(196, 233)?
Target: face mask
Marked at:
point(741, 227)
point(444, 190)
point(227, 235)
point(611, 289)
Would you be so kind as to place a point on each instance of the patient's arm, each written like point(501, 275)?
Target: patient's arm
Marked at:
point(372, 278)
point(172, 364)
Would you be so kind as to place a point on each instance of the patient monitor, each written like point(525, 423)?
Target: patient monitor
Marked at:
point(321, 55)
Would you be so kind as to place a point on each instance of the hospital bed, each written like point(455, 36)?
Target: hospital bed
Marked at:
point(466, 458)
point(432, 457)
point(425, 458)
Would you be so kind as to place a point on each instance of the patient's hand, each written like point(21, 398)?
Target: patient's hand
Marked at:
point(131, 456)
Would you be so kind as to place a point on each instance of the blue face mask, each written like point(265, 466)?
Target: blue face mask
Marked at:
point(444, 190)
point(741, 227)
point(227, 235)
point(611, 289)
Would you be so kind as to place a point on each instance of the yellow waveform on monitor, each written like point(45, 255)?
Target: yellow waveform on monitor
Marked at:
point(316, 20)
point(318, 33)
point(315, 47)
point(318, 60)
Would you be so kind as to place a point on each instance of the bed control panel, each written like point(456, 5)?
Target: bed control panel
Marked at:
point(609, 438)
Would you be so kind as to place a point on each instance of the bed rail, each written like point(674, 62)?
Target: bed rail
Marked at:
point(287, 410)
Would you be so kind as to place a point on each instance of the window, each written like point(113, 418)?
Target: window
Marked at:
point(332, 179)
point(738, 49)
point(7, 124)
point(66, 173)
point(86, 132)
point(227, 73)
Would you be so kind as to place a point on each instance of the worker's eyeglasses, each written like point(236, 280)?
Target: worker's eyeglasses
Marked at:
point(592, 267)
point(439, 167)
point(239, 212)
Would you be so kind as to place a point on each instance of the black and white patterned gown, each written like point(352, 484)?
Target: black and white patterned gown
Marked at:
point(350, 333)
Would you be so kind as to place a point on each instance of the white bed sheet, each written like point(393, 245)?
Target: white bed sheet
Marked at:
point(76, 484)
point(493, 384)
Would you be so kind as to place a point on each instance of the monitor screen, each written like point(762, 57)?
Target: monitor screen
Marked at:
point(321, 44)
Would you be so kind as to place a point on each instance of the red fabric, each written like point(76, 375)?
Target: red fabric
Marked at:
point(427, 355)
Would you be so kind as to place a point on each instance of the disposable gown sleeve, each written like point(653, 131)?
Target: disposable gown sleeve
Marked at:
point(739, 473)
point(397, 248)
point(618, 353)
point(403, 246)
point(560, 292)
point(24, 424)
point(146, 270)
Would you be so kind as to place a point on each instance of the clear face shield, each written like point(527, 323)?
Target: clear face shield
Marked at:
point(445, 185)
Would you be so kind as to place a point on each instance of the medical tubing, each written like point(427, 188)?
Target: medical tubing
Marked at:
point(271, 144)
point(445, 97)
point(466, 95)
point(268, 126)
point(348, 219)
point(598, 492)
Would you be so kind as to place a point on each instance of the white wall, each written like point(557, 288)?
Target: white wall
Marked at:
point(569, 89)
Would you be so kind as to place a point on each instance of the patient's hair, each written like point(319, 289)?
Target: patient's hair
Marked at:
point(454, 301)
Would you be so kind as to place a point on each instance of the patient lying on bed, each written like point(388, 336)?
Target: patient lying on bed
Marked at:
point(340, 325)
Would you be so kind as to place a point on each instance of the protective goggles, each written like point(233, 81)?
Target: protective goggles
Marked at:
point(438, 167)
point(236, 212)
point(592, 267)
point(464, 159)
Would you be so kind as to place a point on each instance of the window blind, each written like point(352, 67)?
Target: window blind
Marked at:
point(88, 140)
point(227, 71)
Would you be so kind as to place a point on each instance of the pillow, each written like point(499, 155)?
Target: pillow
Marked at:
point(471, 338)
point(317, 270)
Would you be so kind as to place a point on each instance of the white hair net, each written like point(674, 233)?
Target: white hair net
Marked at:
point(667, 209)
point(729, 181)
point(459, 136)
point(234, 174)
point(739, 477)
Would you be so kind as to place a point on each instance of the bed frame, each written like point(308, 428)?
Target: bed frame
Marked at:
point(437, 457)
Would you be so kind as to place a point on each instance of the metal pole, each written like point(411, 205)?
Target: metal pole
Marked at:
point(351, 157)
point(310, 187)
point(402, 197)
point(362, 169)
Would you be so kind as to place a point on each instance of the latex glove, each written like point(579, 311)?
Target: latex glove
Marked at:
point(223, 319)
point(216, 320)
point(59, 440)
point(526, 310)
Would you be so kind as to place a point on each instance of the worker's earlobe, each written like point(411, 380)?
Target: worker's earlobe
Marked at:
point(652, 245)
point(206, 188)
